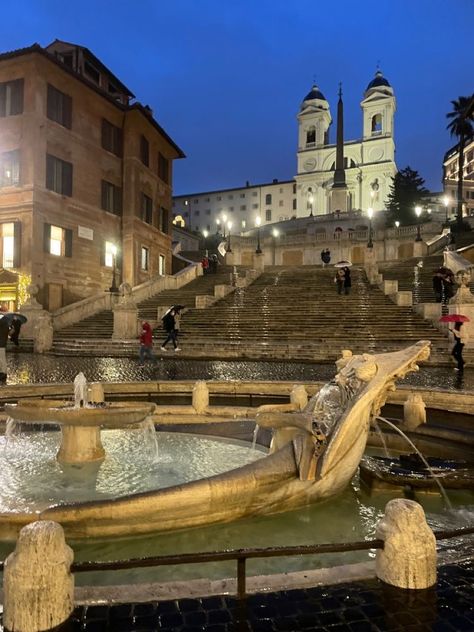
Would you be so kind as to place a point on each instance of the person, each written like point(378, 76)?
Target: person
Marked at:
point(169, 325)
point(15, 331)
point(326, 257)
point(460, 339)
point(213, 263)
point(339, 280)
point(438, 285)
point(347, 280)
point(4, 332)
point(146, 343)
point(205, 264)
point(449, 284)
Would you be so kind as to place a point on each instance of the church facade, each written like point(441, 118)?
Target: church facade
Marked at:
point(369, 163)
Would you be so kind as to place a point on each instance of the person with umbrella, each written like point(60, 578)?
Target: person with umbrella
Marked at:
point(460, 337)
point(171, 323)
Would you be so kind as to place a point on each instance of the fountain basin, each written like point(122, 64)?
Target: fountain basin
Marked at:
point(80, 426)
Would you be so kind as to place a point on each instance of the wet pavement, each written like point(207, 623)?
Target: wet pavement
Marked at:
point(29, 368)
point(363, 606)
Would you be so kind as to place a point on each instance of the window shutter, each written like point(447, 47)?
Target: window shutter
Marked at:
point(50, 172)
point(103, 201)
point(47, 238)
point(3, 99)
point(67, 179)
point(102, 254)
point(67, 104)
point(119, 149)
point(17, 244)
point(17, 97)
point(50, 103)
point(118, 200)
point(67, 242)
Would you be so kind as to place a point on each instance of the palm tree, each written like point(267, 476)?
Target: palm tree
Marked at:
point(461, 125)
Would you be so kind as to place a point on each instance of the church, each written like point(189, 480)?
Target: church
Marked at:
point(350, 174)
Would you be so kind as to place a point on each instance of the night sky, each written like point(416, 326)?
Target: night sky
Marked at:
point(226, 78)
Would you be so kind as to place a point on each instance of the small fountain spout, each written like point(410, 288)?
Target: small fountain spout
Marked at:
point(80, 391)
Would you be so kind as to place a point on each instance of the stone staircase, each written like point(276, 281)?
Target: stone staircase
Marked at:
point(287, 313)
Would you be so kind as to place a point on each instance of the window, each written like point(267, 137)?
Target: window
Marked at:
point(111, 198)
point(109, 254)
point(294, 189)
point(208, 211)
point(57, 241)
point(294, 204)
point(280, 203)
point(207, 199)
point(196, 213)
point(164, 220)
point(161, 265)
point(268, 198)
point(242, 195)
point(111, 138)
point(147, 209)
point(163, 168)
point(58, 175)
point(10, 169)
point(91, 72)
point(377, 124)
point(231, 197)
point(254, 205)
point(243, 207)
point(281, 190)
point(144, 151)
point(268, 215)
point(59, 107)
point(254, 194)
point(196, 201)
point(311, 136)
point(145, 259)
point(11, 97)
point(8, 245)
point(218, 198)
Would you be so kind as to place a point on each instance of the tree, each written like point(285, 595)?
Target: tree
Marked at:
point(461, 125)
point(406, 192)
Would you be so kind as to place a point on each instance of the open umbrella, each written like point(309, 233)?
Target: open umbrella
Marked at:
point(454, 318)
point(343, 264)
point(177, 308)
point(9, 316)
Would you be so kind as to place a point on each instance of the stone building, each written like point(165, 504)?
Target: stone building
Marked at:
point(450, 178)
point(368, 164)
point(85, 178)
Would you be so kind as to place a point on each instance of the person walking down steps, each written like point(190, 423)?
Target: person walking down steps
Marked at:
point(460, 339)
point(171, 326)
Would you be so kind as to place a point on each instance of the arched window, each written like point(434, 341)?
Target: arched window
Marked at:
point(311, 135)
point(376, 124)
point(268, 198)
point(268, 215)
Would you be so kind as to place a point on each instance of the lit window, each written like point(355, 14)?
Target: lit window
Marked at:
point(8, 245)
point(10, 168)
point(161, 265)
point(110, 251)
point(145, 258)
point(56, 241)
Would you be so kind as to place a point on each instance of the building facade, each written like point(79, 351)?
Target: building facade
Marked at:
point(212, 211)
point(85, 178)
point(369, 163)
point(451, 177)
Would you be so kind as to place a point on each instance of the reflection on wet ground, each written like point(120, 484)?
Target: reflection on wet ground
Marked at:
point(26, 368)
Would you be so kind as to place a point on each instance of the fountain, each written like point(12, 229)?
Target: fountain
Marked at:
point(314, 455)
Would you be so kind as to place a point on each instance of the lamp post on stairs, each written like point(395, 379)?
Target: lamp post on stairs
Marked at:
point(258, 221)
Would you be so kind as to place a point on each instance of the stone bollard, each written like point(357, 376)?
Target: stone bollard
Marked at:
point(96, 393)
point(200, 397)
point(408, 559)
point(299, 396)
point(38, 585)
point(414, 411)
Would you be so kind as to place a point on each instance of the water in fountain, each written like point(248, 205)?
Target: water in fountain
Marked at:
point(151, 440)
point(427, 465)
point(382, 439)
point(80, 391)
point(254, 439)
point(10, 428)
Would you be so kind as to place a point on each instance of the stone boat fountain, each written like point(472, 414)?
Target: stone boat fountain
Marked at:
point(313, 456)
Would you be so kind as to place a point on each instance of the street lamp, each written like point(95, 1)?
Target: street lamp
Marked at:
point(224, 220)
point(229, 226)
point(275, 233)
point(218, 224)
point(311, 200)
point(187, 211)
point(446, 205)
point(113, 287)
point(418, 211)
point(397, 224)
point(370, 214)
point(258, 221)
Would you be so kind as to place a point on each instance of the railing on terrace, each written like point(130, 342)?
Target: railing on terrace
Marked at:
point(242, 555)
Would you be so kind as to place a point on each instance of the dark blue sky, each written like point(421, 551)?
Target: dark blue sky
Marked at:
point(225, 78)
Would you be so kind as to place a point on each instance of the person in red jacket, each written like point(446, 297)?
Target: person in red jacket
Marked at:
point(146, 343)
